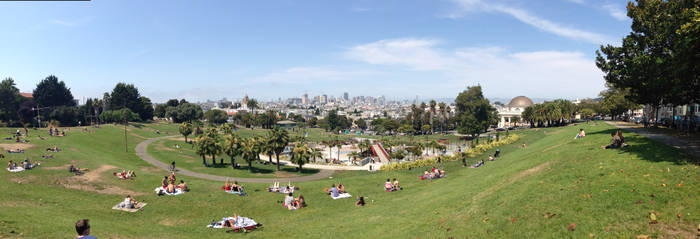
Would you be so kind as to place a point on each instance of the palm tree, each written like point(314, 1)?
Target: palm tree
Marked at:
point(280, 139)
point(201, 148)
point(316, 153)
point(214, 145)
point(232, 147)
point(339, 145)
point(185, 129)
point(432, 113)
point(301, 155)
point(268, 146)
point(354, 155)
point(227, 129)
point(249, 151)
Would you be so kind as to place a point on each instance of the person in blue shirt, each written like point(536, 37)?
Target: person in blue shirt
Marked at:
point(334, 191)
point(83, 229)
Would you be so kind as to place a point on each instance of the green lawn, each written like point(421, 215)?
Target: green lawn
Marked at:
point(185, 157)
point(606, 193)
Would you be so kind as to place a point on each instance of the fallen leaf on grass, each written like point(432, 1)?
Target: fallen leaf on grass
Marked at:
point(678, 215)
point(663, 184)
point(572, 227)
point(607, 229)
point(652, 218)
point(646, 175)
point(485, 220)
point(606, 190)
point(515, 219)
point(642, 236)
point(591, 235)
point(652, 195)
point(549, 215)
point(449, 228)
point(640, 202)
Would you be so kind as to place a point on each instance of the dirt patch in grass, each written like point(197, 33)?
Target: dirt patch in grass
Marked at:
point(552, 147)
point(190, 161)
point(511, 180)
point(85, 183)
point(16, 204)
point(163, 148)
point(676, 231)
point(24, 179)
point(285, 174)
point(21, 146)
point(171, 222)
point(74, 149)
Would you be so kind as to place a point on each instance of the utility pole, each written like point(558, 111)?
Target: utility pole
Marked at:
point(126, 148)
point(37, 109)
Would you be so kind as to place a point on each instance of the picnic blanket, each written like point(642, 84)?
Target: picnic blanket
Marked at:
point(177, 191)
point(236, 192)
point(282, 190)
point(16, 170)
point(15, 152)
point(136, 208)
point(342, 195)
point(242, 223)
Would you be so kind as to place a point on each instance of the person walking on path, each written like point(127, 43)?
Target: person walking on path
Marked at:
point(172, 166)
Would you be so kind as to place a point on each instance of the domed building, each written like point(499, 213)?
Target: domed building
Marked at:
point(511, 113)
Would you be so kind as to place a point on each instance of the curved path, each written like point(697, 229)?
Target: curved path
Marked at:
point(142, 152)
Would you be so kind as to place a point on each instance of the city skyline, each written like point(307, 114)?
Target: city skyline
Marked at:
point(281, 49)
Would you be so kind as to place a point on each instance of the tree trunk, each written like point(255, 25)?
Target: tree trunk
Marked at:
point(185, 138)
point(204, 160)
point(278, 160)
point(270, 158)
point(213, 159)
point(250, 166)
point(221, 161)
point(233, 162)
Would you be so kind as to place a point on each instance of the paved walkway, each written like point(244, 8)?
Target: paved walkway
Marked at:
point(692, 148)
point(142, 152)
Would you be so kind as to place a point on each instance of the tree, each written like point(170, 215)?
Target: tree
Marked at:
point(51, 92)
point(185, 129)
point(184, 112)
point(213, 146)
point(252, 105)
point(227, 129)
point(202, 148)
point(406, 129)
point(615, 101)
point(474, 112)
point(159, 111)
point(66, 115)
point(232, 147)
point(173, 102)
point(361, 123)
point(127, 96)
point(301, 155)
point(316, 153)
point(280, 139)
point(216, 116)
point(249, 151)
point(657, 61)
point(9, 99)
point(433, 104)
point(425, 129)
point(268, 147)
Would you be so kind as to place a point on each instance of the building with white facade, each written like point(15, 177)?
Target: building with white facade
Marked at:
point(511, 114)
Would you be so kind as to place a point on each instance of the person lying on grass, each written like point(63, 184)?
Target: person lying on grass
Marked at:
point(231, 223)
point(478, 164)
point(48, 156)
point(53, 149)
point(16, 151)
point(76, 170)
point(289, 202)
point(183, 186)
point(129, 202)
point(125, 174)
point(580, 134)
point(275, 187)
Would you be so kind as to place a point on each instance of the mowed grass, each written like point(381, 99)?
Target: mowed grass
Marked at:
point(574, 180)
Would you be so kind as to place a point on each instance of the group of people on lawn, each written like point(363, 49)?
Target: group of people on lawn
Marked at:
point(26, 164)
point(125, 174)
point(169, 184)
point(434, 173)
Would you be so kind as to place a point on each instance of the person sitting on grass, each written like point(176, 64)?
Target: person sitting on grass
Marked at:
point(28, 165)
point(227, 186)
point(387, 186)
point(183, 186)
point(10, 166)
point(76, 170)
point(48, 156)
point(82, 227)
point(622, 138)
point(300, 202)
point(170, 188)
point(172, 178)
point(287, 189)
point(497, 153)
point(396, 185)
point(333, 191)
point(360, 202)
point(129, 202)
point(289, 202)
point(164, 182)
point(341, 188)
point(580, 134)
point(236, 187)
point(615, 142)
point(491, 158)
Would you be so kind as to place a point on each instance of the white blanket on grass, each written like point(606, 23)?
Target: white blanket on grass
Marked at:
point(342, 195)
point(17, 169)
point(177, 191)
point(241, 222)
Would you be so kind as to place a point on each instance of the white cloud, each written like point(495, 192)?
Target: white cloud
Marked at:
point(616, 12)
point(500, 72)
point(530, 19)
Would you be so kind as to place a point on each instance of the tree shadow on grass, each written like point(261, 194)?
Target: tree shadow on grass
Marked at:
point(648, 149)
point(303, 170)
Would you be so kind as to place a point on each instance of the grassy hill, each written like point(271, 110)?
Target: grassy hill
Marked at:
point(535, 192)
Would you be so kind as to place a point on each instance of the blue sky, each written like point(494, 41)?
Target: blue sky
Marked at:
point(268, 49)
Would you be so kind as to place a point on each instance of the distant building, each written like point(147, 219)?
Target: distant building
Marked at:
point(511, 114)
point(346, 96)
point(324, 99)
point(305, 99)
